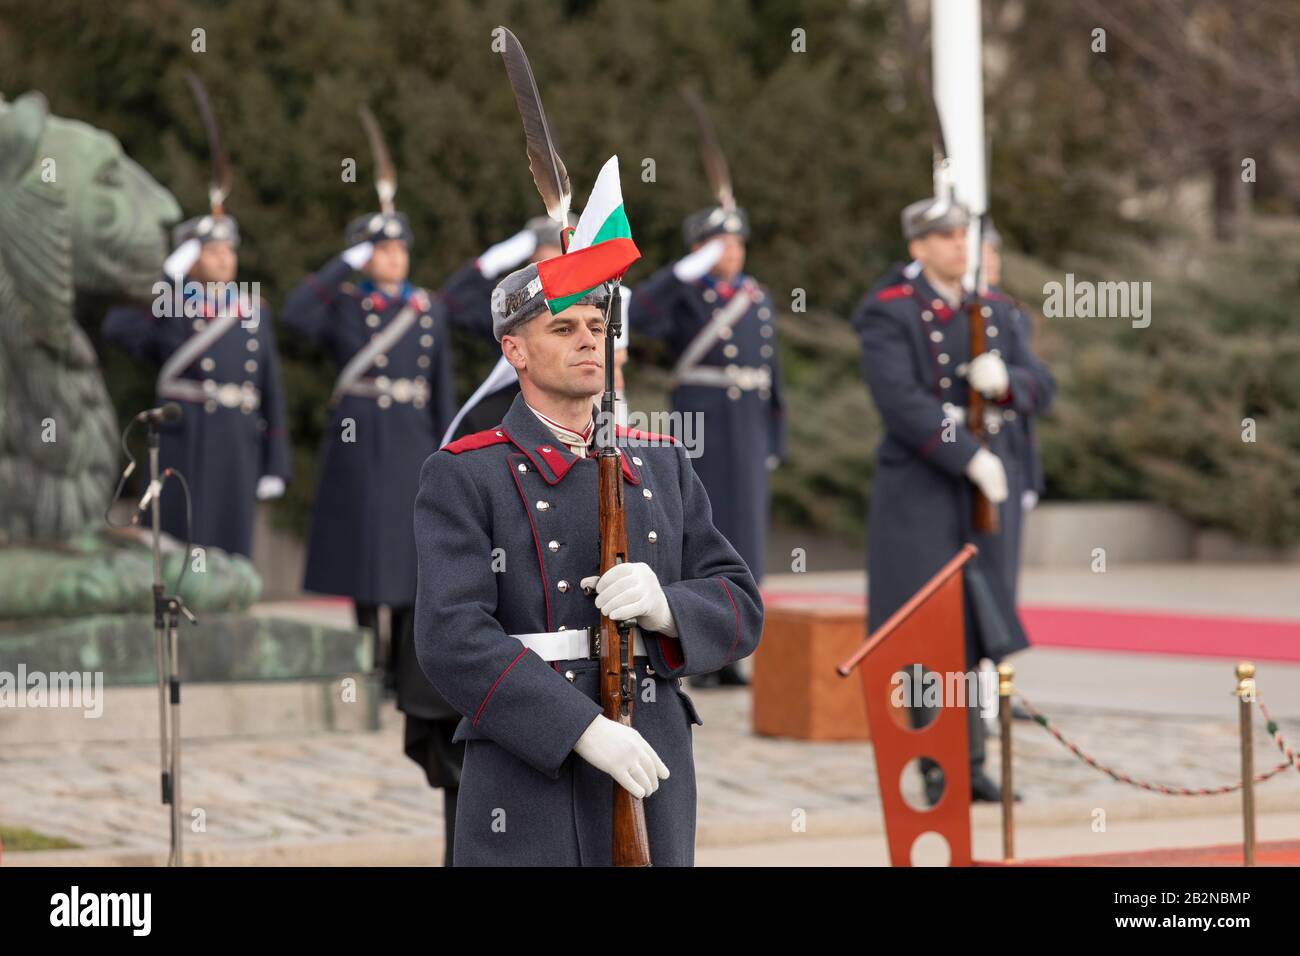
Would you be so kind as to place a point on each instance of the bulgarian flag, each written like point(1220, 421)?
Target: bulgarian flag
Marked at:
point(600, 249)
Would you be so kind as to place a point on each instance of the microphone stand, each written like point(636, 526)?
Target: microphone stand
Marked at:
point(166, 611)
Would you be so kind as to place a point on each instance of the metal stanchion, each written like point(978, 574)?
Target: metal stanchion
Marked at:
point(1245, 702)
point(1006, 672)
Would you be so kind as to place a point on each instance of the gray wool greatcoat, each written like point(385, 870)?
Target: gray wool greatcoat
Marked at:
point(506, 528)
point(914, 353)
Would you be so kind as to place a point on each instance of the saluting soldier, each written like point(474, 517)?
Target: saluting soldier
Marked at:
point(216, 349)
point(507, 527)
point(389, 407)
point(915, 356)
point(720, 328)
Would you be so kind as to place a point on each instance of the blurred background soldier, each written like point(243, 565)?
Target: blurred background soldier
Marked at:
point(216, 349)
point(915, 357)
point(390, 405)
point(719, 326)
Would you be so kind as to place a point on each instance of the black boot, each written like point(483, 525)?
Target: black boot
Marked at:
point(730, 676)
point(983, 788)
point(933, 779)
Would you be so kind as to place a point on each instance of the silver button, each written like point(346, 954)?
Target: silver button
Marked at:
point(546, 449)
point(562, 627)
point(372, 320)
point(730, 351)
point(994, 428)
point(209, 406)
point(647, 494)
point(653, 537)
point(942, 358)
point(199, 325)
point(250, 366)
point(765, 351)
point(636, 460)
point(207, 365)
point(994, 352)
point(650, 671)
point(562, 586)
point(543, 506)
point(992, 331)
point(553, 546)
point(588, 590)
point(766, 331)
point(570, 676)
point(383, 401)
point(367, 303)
point(961, 368)
point(927, 315)
point(426, 321)
point(1009, 414)
point(764, 313)
point(937, 303)
point(945, 382)
point(733, 393)
point(381, 361)
point(500, 435)
point(986, 311)
point(726, 333)
point(252, 345)
point(936, 336)
point(521, 466)
point(710, 295)
point(426, 341)
point(423, 361)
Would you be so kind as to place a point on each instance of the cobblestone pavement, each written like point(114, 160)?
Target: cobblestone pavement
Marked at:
point(359, 787)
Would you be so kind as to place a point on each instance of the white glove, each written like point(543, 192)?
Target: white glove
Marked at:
point(698, 263)
point(621, 752)
point(269, 486)
point(1028, 500)
point(508, 254)
point(182, 259)
point(631, 591)
point(986, 471)
point(360, 254)
point(988, 375)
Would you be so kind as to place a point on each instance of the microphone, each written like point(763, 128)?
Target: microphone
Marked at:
point(163, 413)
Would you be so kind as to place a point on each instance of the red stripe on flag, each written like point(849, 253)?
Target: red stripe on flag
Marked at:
point(579, 271)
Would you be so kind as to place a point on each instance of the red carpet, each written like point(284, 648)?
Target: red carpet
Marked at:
point(1140, 632)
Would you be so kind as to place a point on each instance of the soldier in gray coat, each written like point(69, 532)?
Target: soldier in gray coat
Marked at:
point(915, 357)
point(506, 528)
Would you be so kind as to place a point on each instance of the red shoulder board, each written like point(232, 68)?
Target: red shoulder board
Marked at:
point(638, 435)
point(894, 292)
point(491, 436)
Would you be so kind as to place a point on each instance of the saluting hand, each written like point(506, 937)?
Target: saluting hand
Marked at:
point(631, 591)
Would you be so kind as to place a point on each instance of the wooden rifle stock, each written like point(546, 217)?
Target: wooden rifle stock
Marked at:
point(617, 679)
point(985, 517)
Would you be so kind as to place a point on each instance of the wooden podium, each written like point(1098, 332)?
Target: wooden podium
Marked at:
point(927, 630)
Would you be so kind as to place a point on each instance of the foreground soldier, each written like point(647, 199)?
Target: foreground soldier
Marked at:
point(915, 357)
point(507, 534)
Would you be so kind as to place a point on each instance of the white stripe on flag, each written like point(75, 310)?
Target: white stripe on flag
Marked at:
point(606, 196)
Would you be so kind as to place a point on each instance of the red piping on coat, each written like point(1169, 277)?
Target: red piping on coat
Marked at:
point(479, 713)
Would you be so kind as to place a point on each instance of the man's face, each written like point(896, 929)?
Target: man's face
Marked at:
point(942, 253)
point(390, 262)
point(217, 262)
point(561, 354)
point(733, 256)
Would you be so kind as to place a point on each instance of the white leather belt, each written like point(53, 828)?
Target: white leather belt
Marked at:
point(571, 645)
point(226, 394)
point(741, 376)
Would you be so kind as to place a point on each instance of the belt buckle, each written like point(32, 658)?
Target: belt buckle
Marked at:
point(593, 642)
point(230, 395)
